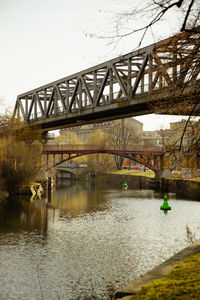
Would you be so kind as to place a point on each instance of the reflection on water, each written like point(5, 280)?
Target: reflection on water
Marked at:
point(17, 216)
point(84, 239)
point(76, 200)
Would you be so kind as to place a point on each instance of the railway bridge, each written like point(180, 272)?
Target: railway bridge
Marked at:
point(163, 78)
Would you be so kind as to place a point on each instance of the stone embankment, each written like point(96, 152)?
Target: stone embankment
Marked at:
point(116, 180)
point(184, 188)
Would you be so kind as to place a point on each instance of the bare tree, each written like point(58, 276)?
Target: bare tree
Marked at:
point(20, 157)
point(5, 127)
point(152, 12)
point(99, 162)
point(189, 23)
point(191, 12)
point(120, 135)
point(19, 164)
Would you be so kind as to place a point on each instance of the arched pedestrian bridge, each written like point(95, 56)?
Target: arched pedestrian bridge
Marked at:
point(163, 77)
point(150, 157)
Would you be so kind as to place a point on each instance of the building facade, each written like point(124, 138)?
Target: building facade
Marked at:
point(83, 132)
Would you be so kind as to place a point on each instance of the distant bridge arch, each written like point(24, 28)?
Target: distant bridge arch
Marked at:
point(150, 157)
point(65, 172)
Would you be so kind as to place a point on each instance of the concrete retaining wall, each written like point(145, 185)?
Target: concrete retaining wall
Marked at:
point(182, 187)
point(118, 179)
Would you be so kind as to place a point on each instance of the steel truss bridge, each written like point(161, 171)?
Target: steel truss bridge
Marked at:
point(156, 78)
point(151, 157)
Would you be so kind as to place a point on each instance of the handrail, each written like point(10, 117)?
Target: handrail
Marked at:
point(100, 147)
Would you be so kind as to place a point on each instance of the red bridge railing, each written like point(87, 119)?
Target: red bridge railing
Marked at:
point(96, 147)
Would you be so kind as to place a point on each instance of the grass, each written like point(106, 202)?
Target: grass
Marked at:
point(150, 174)
point(182, 283)
point(194, 179)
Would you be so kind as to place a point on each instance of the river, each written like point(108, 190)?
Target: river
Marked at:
point(84, 242)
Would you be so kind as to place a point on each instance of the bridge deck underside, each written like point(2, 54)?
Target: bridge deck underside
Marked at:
point(162, 78)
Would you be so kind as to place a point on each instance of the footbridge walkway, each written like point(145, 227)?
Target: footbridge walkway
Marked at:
point(151, 157)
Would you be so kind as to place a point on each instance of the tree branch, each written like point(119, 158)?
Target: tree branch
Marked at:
point(187, 15)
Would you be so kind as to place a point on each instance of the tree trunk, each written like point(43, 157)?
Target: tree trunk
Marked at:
point(158, 174)
point(119, 161)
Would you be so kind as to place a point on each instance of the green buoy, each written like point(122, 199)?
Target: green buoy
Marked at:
point(125, 185)
point(165, 205)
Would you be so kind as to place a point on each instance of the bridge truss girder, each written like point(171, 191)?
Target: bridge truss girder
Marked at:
point(137, 83)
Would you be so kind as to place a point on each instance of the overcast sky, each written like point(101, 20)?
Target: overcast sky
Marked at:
point(45, 40)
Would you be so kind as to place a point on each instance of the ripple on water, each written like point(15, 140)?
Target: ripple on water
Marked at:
point(78, 253)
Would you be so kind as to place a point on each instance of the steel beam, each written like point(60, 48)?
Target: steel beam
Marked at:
point(125, 86)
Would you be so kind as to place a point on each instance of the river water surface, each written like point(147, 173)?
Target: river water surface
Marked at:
point(87, 241)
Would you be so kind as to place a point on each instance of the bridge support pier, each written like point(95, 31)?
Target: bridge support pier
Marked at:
point(44, 137)
point(47, 161)
point(49, 184)
point(49, 189)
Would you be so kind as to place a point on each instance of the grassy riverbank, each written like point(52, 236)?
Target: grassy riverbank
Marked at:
point(183, 282)
point(149, 174)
